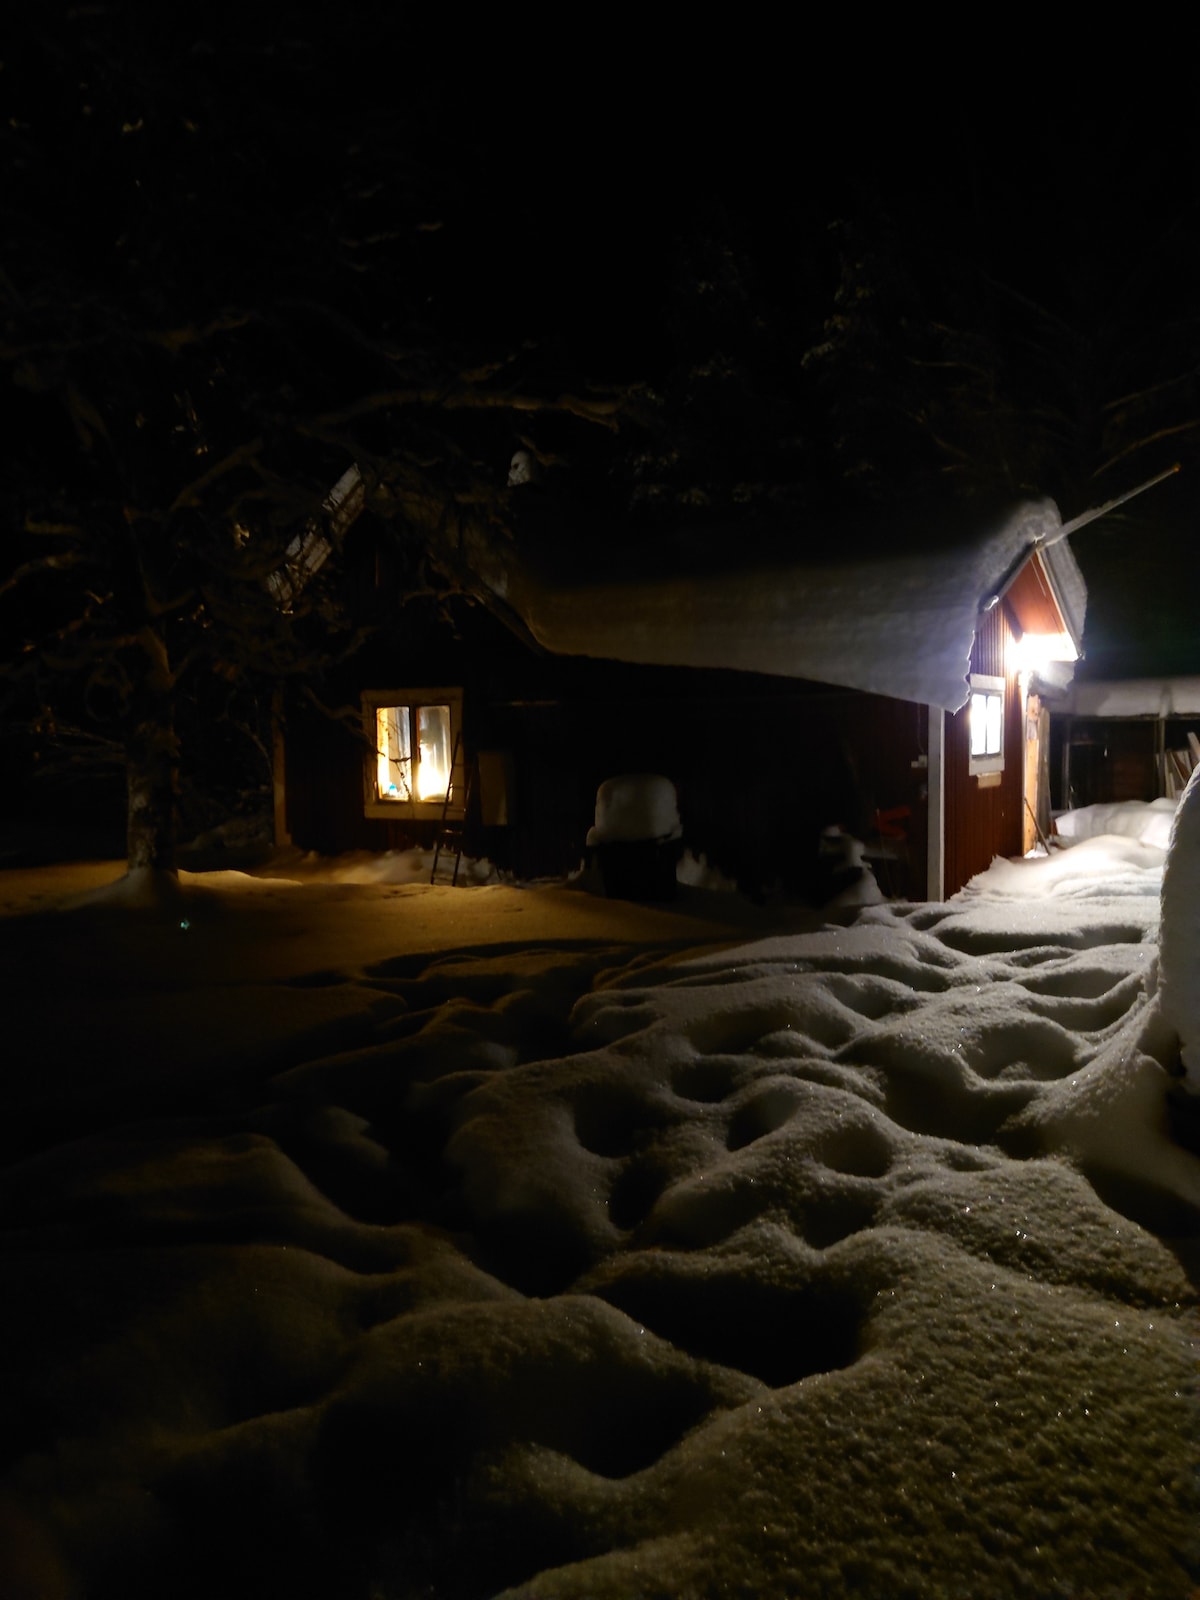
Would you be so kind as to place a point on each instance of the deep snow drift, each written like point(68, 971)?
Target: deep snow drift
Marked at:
point(1179, 988)
point(365, 1239)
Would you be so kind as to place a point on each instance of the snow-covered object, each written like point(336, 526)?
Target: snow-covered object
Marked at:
point(1179, 936)
point(634, 807)
point(845, 872)
point(1134, 697)
point(1147, 820)
point(900, 625)
point(697, 872)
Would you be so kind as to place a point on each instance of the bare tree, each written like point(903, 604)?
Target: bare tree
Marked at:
point(213, 304)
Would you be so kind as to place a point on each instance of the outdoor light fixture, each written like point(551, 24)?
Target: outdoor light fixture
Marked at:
point(1035, 650)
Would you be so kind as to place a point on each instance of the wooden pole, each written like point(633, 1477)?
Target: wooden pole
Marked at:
point(1109, 505)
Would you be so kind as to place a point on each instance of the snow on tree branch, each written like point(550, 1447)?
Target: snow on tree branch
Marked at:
point(29, 569)
point(603, 411)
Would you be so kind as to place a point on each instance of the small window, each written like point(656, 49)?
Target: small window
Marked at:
point(415, 765)
point(985, 711)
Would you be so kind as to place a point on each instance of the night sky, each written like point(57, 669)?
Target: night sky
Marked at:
point(1076, 191)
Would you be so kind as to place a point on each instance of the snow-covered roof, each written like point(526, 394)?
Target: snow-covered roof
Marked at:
point(1135, 697)
point(899, 623)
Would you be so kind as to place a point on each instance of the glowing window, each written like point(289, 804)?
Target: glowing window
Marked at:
point(986, 723)
point(414, 765)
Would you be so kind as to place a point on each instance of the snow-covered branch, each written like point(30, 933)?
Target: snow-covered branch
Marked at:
point(1191, 426)
point(602, 410)
point(190, 495)
point(180, 338)
point(30, 569)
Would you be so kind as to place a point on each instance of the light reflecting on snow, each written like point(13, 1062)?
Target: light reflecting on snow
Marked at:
point(506, 1241)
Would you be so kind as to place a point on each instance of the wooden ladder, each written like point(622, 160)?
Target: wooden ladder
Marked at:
point(451, 832)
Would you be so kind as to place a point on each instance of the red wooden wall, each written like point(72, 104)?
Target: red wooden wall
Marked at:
point(982, 821)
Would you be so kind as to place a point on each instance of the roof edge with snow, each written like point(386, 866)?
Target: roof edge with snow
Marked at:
point(1134, 697)
point(901, 623)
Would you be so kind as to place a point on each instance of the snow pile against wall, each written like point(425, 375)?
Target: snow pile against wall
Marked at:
point(1147, 820)
point(578, 1263)
point(1179, 940)
point(1100, 868)
point(900, 625)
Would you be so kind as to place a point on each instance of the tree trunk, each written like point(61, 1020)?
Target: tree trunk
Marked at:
point(152, 780)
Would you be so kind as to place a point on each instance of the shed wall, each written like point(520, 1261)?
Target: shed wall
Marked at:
point(983, 820)
point(761, 765)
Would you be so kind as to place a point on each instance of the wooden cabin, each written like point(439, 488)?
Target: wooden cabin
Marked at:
point(1124, 739)
point(892, 693)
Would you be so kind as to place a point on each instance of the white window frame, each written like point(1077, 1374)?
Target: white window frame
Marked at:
point(990, 759)
point(396, 808)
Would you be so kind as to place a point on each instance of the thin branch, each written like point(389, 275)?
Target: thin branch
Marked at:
point(1154, 388)
point(603, 412)
point(348, 717)
point(85, 417)
point(85, 651)
point(28, 569)
point(189, 496)
point(1151, 438)
point(54, 529)
point(176, 339)
point(163, 608)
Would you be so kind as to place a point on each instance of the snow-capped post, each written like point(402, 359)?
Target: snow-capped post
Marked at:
point(1179, 934)
point(637, 837)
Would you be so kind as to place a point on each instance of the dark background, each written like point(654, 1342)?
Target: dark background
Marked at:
point(843, 273)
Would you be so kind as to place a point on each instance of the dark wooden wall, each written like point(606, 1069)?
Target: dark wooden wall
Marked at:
point(1113, 758)
point(761, 764)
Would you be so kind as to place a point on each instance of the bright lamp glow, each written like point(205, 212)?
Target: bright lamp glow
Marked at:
point(1034, 650)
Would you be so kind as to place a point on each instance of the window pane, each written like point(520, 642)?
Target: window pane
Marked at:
point(978, 724)
point(995, 724)
point(433, 752)
point(393, 753)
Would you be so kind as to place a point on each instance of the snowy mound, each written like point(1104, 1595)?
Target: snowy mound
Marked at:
point(634, 807)
point(1148, 820)
point(1180, 963)
point(1109, 867)
point(843, 1262)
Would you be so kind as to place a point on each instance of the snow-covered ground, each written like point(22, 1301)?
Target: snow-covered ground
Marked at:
point(363, 1238)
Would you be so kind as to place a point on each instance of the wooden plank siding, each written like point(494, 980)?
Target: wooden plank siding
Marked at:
point(1031, 598)
point(1112, 759)
point(761, 766)
point(984, 821)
